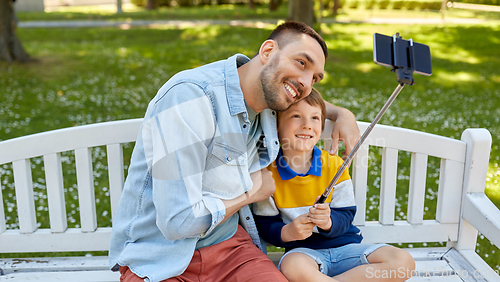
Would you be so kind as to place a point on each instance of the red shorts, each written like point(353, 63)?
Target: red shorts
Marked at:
point(236, 259)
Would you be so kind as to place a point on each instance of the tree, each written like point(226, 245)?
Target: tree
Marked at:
point(11, 48)
point(119, 6)
point(301, 11)
point(151, 4)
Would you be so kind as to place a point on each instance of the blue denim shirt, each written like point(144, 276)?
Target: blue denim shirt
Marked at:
point(190, 154)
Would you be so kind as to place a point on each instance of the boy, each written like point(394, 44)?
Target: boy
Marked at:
point(320, 241)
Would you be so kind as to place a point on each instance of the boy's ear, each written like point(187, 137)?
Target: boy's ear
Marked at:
point(266, 49)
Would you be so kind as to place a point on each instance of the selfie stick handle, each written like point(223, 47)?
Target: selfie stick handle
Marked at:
point(330, 187)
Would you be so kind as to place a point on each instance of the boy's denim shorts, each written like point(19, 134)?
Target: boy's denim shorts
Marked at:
point(335, 261)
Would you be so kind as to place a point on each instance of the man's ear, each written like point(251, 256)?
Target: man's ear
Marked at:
point(266, 49)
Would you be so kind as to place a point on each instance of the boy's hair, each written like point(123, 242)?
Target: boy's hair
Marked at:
point(288, 31)
point(313, 99)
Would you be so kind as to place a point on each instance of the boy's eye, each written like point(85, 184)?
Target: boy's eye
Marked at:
point(295, 116)
point(315, 117)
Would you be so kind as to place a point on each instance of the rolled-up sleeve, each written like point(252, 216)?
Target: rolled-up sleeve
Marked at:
point(176, 136)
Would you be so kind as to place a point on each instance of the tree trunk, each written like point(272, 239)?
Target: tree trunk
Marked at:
point(119, 6)
point(273, 5)
point(336, 6)
point(301, 11)
point(251, 4)
point(150, 5)
point(11, 48)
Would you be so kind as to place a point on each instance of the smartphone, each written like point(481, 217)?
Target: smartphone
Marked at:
point(395, 52)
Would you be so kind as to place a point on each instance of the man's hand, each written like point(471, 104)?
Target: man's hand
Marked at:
point(299, 229)
point(320, 216)
point(263, 185)
point(263, 188)
point(345, 129)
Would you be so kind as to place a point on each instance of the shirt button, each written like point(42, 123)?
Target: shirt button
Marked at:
point(229, 159)
point(244, 115)
point(247, 218)
point(273, 112)
point(244, 126)
point(276, 142)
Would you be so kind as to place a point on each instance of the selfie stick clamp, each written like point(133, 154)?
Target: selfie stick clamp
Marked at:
point(404, 74)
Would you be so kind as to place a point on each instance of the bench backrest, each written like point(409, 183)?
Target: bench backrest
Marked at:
point(28, 237)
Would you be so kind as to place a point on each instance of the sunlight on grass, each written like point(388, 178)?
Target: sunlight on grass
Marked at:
point(366, 67)
point(100, 9)
point(493, 182)
point(457, 77)
point(201, 32)
point(454, 55)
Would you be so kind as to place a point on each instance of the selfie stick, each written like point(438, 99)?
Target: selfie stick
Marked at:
point(404, 76)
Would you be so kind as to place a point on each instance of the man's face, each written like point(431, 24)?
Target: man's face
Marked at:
point(291, 71)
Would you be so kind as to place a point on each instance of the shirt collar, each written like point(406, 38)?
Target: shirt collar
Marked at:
point(235, 98)
point(286, 173)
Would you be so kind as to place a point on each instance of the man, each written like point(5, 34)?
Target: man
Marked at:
point(200, 160)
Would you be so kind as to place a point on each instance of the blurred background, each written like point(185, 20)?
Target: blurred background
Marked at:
point(76, 62)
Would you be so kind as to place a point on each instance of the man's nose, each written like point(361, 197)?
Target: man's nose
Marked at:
point(306, 81)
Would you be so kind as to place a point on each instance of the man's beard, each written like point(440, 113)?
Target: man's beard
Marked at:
point(272, 86)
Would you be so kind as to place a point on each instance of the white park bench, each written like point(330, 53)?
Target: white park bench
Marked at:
point(462, 206)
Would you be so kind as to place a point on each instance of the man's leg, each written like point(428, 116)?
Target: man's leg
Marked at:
point(237, 259)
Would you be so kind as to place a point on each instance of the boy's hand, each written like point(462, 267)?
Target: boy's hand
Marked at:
point(299, 229)
point(320, 216)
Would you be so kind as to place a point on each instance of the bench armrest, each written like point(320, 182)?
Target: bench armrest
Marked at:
point(481, 213)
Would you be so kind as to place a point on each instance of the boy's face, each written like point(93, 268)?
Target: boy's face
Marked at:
point(299, 127)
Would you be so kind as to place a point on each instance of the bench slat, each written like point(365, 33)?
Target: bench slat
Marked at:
point(116, 174)
point(86, 195)
point(404, 232)
point(43, 240)
point(360, 180)
point(388, 185)
point(68, 139)
point(415, 141)
point(463, 268)
point(449, 191)
point(3, 225)
point(49, 264)
point(416, 197)
point(24, 196)
point(55, 192)
point(483, 269)
point(73, 276)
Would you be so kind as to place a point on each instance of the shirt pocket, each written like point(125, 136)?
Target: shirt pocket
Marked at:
point(226, 173)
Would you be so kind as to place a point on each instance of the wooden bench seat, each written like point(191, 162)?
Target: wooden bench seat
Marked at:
point(462, 207)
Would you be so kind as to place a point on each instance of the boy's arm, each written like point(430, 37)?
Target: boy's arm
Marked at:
point(341, 221)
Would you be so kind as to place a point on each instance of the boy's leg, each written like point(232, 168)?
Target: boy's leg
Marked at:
point(386, 263)
point(299, 266)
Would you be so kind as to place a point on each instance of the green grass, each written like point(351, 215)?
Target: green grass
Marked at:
point(89, 75)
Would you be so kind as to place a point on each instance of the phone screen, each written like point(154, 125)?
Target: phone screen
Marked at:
point(383, 53)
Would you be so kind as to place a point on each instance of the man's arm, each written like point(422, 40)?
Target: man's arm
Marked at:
point(345, 128)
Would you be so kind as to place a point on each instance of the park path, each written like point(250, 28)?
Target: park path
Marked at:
point(247, 23)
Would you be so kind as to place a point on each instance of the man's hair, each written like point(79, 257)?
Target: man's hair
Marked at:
point(315, 99)
point(295, 28)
